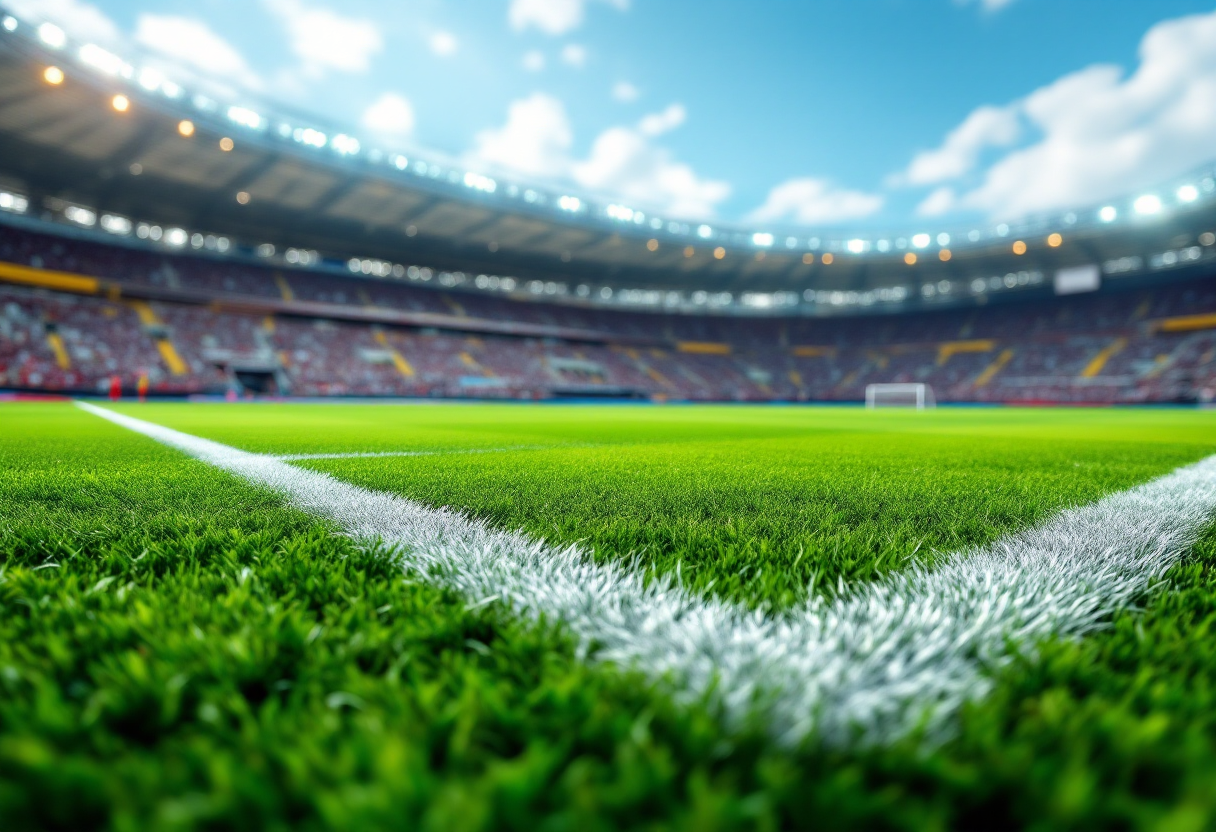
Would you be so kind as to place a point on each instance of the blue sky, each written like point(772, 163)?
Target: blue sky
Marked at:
point(825, 113)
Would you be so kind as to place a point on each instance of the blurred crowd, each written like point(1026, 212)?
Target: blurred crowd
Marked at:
point(1106, 347)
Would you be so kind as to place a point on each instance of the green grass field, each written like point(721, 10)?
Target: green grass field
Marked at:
point(180, 649)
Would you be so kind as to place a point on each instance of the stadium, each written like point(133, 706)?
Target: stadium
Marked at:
point(351, 486)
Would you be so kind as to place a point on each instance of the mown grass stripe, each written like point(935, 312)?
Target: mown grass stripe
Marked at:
point(872, 665)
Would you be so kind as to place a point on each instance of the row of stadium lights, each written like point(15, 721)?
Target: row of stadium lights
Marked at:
point(152, 80)
point(1145, 205)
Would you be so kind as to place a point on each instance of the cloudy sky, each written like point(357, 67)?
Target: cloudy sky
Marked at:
point(816, 112)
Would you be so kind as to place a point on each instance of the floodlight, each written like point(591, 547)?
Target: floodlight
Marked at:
point(185, 127)
point(856, 246)
point(943, 239)
point(920, 240)
point(53, 76)
point(1108, 214)
point(762, 238)
point(1148, 204)
point(10, 24)
point(704, 232)
point(52, 35)
point(120, 103)
point(1188, 193)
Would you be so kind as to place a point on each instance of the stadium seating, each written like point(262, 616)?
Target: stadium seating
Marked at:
point(194, 325)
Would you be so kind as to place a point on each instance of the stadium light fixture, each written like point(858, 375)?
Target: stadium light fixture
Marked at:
point(944, 255)
point(719, 253)
point(52, 35)
point(186, 127)
point(242, 197)
point(1054, 240)
point(120, 103)
point(652, 244)
point(1019, 247)
point(920, 240)
point(762, 238)
point(226, 144)
point(104, 61)
point(53, 75)
point(704, 232)
point(910, 258)
point(857, 246)
point(10, 24)
point(1188, 193)
point(246, 118)
point(943, 239)
point(569, 203)
point(1108, 214)
point(1148, 204)
point(345, 145)
point(828, 258)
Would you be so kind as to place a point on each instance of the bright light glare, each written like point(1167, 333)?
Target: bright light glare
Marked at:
point(920, 240)
point(704, 232)
point(857, 246)
point(104, 61)
point(478, 182)
point(1108, 214)
point(1188, 193)
point(1148, 204)
point(186, 128)
point(245, 117)
point(762, 238)
point(943, 239)
point(569, 203)
point(10, 24)
point(53, 76)
point(52, 35)
point(120, 103)
point(344, 144)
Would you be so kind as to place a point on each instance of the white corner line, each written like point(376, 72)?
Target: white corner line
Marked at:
point(891, 657)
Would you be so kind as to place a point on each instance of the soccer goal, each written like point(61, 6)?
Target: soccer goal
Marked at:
point(919, 396)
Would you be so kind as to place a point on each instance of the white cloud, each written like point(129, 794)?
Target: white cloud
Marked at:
point(390, 115)
point(534, 61)
point(811, 201)
point(623, 162)
point(80, 20)
point(535, 140)
point(984, 128)
point(325, 40)
point(941, 201)
point(1102, 134)
point(625, 91)
point(574, 54)
point(553, 17)
point(656, 124)
point(191, 42)
point(443, 44)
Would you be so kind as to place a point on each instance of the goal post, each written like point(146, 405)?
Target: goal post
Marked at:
point(919, 396)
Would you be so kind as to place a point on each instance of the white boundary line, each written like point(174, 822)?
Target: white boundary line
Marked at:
point(378, 454)
point(875, 664)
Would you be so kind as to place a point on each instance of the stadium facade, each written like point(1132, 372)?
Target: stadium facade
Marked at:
point(152, 226)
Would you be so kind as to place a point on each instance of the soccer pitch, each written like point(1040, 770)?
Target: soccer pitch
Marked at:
point(343, 616)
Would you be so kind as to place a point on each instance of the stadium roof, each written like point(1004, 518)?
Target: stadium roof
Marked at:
point(83, 132)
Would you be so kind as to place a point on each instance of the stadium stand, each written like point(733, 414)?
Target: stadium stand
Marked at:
point(75, 313)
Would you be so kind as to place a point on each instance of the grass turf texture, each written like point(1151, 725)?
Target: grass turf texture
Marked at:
point(200, 656)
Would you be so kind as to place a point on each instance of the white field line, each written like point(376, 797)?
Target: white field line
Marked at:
point(869, 667)
point(377, 454)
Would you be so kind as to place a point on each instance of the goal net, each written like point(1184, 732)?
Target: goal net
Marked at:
point(919, 396)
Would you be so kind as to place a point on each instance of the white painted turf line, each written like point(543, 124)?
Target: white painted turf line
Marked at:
point(377, 454)
point(869, 667)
